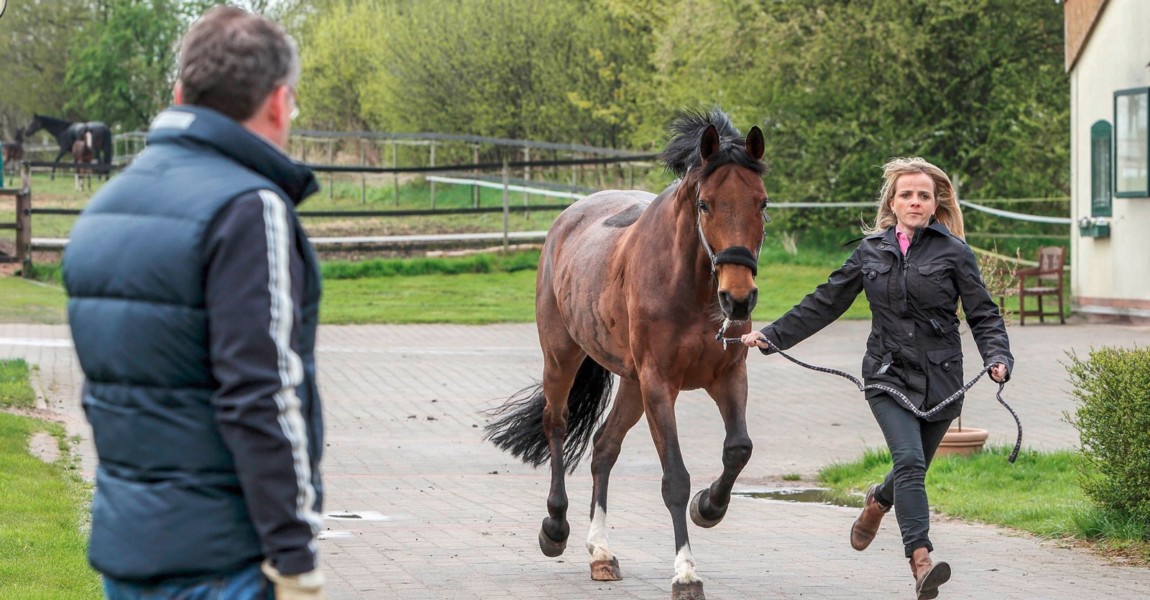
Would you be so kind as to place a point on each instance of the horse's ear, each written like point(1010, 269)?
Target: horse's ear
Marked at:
point(755, 142)
point(709, 143)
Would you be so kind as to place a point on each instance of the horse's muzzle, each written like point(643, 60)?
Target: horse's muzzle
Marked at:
point(738, 309)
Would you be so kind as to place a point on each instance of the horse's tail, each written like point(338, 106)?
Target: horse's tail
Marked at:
point(518, 427)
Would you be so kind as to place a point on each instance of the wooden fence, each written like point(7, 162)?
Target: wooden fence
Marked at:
point(23, 221)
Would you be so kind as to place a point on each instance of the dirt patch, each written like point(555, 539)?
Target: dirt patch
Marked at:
point(44, 447)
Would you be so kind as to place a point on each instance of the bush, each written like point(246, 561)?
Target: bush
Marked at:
point(1112, 388)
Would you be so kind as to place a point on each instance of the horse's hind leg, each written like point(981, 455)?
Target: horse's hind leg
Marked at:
point(624, 414)
point(560, 368)
point(709, 506)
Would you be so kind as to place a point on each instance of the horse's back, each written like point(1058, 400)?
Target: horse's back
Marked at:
point(597, 220)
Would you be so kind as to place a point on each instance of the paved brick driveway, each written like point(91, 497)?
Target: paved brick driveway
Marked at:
point(443, 515)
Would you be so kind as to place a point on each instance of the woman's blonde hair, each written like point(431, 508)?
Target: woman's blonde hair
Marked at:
point(948, 211)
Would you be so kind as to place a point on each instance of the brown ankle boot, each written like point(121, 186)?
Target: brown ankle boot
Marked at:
point(866, 526)
point(928, 575)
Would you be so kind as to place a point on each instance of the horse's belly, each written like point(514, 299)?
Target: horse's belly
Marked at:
point(582, 277)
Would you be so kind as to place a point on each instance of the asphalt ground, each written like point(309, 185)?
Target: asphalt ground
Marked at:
point(420, 507)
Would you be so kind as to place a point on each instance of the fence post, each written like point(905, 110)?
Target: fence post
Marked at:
point(526, 177)
point(433, 183)
point(331, 174)
point(24, 221)
point(506, 204)
point(475, 189)
point(395, 165)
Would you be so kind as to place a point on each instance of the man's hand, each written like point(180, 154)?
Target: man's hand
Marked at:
point(305, 586)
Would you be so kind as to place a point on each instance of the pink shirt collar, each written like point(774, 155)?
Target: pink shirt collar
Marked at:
point(903, 239)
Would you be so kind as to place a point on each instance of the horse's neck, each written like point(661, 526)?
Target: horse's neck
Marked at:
point(677, 217)
point(55, 126)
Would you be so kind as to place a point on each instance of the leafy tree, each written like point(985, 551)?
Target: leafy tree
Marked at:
point(975, 86)
point(34, 42)
point(344, 82)
point(123, 67)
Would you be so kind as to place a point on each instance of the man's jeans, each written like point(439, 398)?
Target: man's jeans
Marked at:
point(248, 584)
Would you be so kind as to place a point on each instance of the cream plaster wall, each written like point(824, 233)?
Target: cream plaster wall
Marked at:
point(1116, 57)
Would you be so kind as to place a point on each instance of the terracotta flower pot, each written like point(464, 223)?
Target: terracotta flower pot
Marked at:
point(967, 440)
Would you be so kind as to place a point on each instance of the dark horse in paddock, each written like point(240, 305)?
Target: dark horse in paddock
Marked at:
point(66, 134)
point(638, 285)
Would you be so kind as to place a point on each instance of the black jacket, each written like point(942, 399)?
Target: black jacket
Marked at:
point(193, 302)
point(914, 342)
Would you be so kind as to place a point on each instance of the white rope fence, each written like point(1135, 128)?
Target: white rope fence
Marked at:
point(1013, 215)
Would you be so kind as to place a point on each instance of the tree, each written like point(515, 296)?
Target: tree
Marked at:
point(123, 66)
point(975, 86)
point(34, 42)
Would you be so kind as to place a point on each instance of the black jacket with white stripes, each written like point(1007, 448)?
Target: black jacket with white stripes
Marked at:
point(193, 302)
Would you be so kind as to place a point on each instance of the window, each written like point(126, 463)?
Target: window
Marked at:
point(1101, 190)
point(1132, 143)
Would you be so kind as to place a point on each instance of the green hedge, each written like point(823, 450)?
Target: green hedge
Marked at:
point(1112, 388)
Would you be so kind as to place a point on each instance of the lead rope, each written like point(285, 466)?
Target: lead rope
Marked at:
point(895, 392)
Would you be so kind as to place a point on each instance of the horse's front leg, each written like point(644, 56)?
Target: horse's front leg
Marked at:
point(627, 409)
point(52, 175)
point(709, 506)
point(659, 398)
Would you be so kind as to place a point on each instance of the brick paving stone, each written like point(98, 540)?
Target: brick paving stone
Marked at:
point(404, 406)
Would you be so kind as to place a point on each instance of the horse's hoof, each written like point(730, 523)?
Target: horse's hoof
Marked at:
point(551, 548)
point(606, 570)
point(687, 591)
point(698, 504)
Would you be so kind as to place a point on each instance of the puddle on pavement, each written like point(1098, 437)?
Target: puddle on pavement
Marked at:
point(363, 515)
point(807, 495)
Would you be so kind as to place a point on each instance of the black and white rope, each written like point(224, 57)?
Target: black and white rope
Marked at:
point(895, 393)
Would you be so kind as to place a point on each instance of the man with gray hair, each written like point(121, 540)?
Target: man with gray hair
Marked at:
point(193, 303)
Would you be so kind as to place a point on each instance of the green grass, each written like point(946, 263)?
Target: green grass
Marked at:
point(43, 536)
point(15, 390)
point(464, 299)
point(1039, 493)
point(467, 290)
point(28, 301)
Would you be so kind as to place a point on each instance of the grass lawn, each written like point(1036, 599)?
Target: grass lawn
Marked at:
point(466, 290)
point(43, 527)
point(27, 301)
point(1039, 494)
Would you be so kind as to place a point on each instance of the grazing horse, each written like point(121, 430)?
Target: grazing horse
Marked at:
point(14, 151)
point(82, 153)
point(638, 285)
point(67, 132)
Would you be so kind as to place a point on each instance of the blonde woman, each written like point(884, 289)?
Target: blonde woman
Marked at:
point(914, 267)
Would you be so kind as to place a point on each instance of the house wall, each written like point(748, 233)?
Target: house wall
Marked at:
point(1110, 277)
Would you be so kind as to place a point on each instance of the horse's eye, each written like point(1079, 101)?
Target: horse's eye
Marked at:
point(703, 208)
point(764, 205)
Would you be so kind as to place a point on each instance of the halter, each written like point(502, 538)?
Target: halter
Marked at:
point(737, 255)
point(895, 393)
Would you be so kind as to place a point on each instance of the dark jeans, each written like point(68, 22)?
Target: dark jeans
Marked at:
point(247, 584)
point(912, 443)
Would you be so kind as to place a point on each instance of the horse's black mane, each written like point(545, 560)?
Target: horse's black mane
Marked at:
point(682, 151)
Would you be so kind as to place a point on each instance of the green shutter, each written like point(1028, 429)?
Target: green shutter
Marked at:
point(1101, 188)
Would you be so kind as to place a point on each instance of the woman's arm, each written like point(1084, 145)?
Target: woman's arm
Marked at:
point(815, 311)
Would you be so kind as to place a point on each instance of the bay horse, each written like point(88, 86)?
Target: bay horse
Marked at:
point(638, 285)
point(14, 152)
point(82, 154)
point(66, 134)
